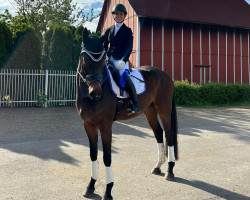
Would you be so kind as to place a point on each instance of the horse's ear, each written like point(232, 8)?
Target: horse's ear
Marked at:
point(85, 35)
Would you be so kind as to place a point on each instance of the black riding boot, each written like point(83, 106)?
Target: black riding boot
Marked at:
point(129, 87)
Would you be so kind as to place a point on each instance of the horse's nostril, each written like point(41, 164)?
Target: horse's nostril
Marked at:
point(94, 96)
point(95, 91)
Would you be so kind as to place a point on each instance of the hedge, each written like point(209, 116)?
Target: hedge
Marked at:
point(27, 51)
point(61, 49)
point(6, 43)
point(211, 94)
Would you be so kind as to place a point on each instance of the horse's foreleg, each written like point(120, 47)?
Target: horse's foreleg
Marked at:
point(92, 133)
point(106, 134)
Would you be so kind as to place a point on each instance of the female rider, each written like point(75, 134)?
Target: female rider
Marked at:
point(120, 39)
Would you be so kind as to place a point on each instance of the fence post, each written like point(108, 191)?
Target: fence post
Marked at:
point(46, 88)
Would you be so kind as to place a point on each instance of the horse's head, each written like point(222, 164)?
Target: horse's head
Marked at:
point(91, 64)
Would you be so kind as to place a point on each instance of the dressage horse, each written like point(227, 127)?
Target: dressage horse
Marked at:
point(96, 104)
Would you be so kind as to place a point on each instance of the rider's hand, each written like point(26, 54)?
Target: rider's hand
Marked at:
point(121, 65)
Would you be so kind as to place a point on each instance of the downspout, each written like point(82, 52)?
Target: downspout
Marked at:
point(138, 42)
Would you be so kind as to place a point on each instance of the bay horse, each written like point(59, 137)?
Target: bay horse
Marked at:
point(96, 104)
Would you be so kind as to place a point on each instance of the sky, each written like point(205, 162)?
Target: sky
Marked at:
point(86, 4)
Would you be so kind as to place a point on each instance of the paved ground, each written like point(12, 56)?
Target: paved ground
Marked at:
point(44, 156)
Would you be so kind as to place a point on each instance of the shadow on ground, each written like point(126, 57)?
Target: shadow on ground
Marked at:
point(212, 189)
point(22, 128)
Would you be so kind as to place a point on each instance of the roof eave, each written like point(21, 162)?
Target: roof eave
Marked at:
point(99, 25)
point(195, 22)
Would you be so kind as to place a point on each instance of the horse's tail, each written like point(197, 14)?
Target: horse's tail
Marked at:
point(174, 128)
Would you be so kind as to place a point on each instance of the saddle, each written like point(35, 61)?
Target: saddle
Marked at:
point(137, 80)
point(139, 84)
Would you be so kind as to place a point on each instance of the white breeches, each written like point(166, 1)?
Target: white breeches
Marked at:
point(116, 63)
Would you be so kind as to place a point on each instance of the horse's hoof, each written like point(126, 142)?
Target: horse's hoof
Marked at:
point(156, 171)
point(88, 192)
point(107, 198)
point(170, 177)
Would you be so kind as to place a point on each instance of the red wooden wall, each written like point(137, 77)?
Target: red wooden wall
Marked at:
point(189, 49)
point(179, 48)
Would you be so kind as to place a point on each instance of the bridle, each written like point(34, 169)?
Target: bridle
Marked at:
point(90, 78)
point(89, 53)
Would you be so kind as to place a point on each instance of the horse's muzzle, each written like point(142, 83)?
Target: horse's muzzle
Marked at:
point(95, 90)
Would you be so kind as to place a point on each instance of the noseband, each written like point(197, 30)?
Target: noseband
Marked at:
point(90, 78)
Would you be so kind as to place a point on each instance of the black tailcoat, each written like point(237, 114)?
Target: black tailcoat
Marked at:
point(120, 45)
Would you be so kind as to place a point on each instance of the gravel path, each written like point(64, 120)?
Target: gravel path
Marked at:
point(44, 155)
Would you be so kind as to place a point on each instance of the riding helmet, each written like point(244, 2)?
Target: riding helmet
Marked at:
point(119, 8)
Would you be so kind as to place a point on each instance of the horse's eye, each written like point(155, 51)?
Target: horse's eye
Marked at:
point(85, 57)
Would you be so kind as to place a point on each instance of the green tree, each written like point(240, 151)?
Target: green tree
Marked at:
point(61, 49)
point(86, 16)
point(6, 17)
point(17, 24)
point(6, 43)
point(45, 52)
point(77, 46)
point(43, 14)
point(27, 51)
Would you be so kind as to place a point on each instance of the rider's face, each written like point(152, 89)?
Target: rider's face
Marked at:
point(119, 16)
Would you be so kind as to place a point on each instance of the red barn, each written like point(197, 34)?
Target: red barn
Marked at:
point(197, 40)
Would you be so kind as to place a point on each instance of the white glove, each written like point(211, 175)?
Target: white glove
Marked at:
point(121, 65)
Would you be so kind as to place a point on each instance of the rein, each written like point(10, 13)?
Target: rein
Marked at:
point(90, 78)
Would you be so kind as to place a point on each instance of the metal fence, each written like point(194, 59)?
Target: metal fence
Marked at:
point(21, 88)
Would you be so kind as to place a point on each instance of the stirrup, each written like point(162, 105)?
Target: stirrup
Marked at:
point(134, 108)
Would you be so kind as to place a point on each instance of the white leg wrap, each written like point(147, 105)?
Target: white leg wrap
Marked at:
point(109, 175)
point(171, 157)
point(94, 170)
point(161, 155)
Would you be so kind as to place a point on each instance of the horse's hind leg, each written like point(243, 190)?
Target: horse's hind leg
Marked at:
point(152, 119)
point(165, 113)
point(92, 133)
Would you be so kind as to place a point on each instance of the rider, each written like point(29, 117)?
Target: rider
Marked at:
point(120, 39)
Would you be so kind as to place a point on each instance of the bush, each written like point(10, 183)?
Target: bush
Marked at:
point(45, 52)
point(186, 94)
point(6, 43)
point(77, 46)
point(61, 49)
point(211, 94)
point(27, 51)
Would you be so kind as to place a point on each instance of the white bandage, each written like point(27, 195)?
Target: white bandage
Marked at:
point(161, 155)
point(161, 152)
point(121, 65)
point(109, 175)
point(94, 170)
point(171, 157)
